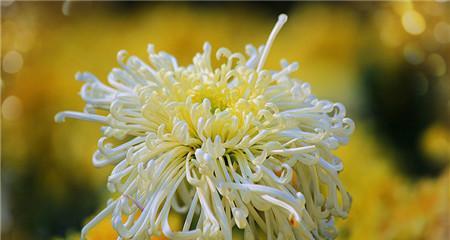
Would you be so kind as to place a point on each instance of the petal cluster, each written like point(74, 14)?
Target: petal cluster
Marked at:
point(232, 146)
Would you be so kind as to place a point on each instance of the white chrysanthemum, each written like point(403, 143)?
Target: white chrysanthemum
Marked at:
point(233, 146)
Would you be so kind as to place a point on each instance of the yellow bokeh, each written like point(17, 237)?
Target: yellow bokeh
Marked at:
point(49, 48)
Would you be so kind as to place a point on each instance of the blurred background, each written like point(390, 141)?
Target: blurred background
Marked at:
point(387, 62)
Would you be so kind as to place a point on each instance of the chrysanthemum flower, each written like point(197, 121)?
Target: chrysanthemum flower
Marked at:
point(233, 146)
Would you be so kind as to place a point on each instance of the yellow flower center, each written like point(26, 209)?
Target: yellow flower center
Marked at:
point(220, 97)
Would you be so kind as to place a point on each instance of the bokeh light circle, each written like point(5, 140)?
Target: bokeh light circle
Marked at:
point(437, 65)
point(11, 108)
point(413, 53)
point(442, 32)
point(413, 22)
point(12, 62)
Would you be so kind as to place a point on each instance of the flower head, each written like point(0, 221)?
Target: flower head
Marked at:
point(232, 146)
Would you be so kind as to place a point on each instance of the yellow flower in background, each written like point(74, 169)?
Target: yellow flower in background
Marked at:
point(435, 143)
point(327, 39)
point(234, 146)
point(386, 204)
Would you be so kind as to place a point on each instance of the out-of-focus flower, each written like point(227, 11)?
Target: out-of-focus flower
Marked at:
point(435, 143)
point(236, 145)
point(387, 205)
point(105, 231)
